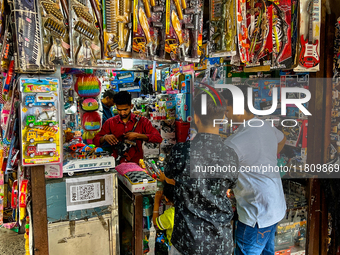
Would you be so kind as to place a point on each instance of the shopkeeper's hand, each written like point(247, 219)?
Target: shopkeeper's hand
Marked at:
point(111, 139)
point(132, 136)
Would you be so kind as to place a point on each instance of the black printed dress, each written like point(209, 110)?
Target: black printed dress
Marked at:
point(202, 209)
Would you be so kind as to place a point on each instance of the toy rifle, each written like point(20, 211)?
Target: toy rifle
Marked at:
point(123, 147)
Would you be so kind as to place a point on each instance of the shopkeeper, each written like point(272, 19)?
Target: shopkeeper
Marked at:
point(119, 128)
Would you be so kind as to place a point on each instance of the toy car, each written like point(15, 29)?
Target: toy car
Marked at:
point(40, 99)
point(170, 47)
point(138, 45)
point(36, 135)
point(41, 149)
point(75, 146)
point(31, 121)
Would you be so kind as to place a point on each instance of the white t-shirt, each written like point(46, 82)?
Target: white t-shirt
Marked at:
point(259, 194)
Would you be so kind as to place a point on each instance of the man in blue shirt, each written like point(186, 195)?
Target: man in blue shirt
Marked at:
point(259, 194)
point(107, 103)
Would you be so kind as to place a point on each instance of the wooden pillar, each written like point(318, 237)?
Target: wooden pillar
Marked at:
point(138, 227)
point(39, 211)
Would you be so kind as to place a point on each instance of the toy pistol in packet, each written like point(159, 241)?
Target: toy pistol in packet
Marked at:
point(86, 35)
point(55, 34)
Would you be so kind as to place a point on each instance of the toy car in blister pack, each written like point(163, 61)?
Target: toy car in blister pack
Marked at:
point(28, 36)
point(86, 32)
point(222, 28)
point(144, 42)
point(55, 35)
point(40, 136)
point(310, 24)
point(117, 24)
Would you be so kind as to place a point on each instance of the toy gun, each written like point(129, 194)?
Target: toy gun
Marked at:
point(194, 28)
point(195, 32)
point(122, 19)
point(161, 25)
point(123, 147)
point(100, 26)
point(128, 46)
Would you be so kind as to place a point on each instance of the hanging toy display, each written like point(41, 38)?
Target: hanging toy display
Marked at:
point(40, 121)
point(55, 36)
point(87, 86)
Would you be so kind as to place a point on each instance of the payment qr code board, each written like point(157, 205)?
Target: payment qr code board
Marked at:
point(85, 192)
point(89, 192)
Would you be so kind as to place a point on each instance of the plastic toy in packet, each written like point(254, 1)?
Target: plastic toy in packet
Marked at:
point(86, 39)
point(28, 29)
point(56, 45)
point(41, 139)
point(144, 42)
point(117, 23)
point(222, 28)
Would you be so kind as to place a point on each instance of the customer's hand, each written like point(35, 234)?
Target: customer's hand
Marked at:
point(161, 177)
point(111, 139)
point(159, 195)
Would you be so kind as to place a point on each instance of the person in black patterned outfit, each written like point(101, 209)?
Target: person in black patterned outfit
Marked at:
point(202, 209)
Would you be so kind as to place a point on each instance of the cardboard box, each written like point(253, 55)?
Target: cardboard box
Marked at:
point(138, 187)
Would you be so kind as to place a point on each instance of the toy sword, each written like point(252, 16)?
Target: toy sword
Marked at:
point(145, 26)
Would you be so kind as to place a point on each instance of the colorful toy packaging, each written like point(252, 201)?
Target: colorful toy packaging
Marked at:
point(264, 33)
point(40, 132)
point(28, 36)
point(144, 43)
point(86, 33)
point(117, 24)
point(55, 36)
point(222, 28)
point(310, 24)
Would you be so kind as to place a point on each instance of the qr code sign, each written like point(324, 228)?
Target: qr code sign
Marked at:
point(85, 192)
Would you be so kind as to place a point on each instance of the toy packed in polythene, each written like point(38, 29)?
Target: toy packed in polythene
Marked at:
point(40, 121)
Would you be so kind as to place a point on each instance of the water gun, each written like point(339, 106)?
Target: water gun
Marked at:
point(8, 78)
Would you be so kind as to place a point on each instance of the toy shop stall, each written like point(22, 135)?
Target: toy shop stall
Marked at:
point(68, 66)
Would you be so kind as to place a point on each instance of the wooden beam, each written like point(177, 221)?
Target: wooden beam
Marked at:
point(324, 226)
point(39, 211)
point(313, 221)
point(329, 52)
point(138, 227)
